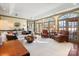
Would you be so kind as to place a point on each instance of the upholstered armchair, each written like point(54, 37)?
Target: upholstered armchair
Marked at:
point(62, 36)
point(45, 34)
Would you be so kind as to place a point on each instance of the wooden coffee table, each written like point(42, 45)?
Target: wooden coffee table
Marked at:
point(13, 48)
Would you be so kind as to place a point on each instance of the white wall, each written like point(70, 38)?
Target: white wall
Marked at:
point(7, 23)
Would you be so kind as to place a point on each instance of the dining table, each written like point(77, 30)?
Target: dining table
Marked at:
point(13, 48)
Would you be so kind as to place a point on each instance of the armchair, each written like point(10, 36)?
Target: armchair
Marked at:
point(45, 33)
point(62, 36)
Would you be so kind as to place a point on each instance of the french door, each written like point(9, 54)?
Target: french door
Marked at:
point(39, 28)
point(71, 25)
point(73, 29)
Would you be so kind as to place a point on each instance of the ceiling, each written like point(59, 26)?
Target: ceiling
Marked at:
point(33, 10)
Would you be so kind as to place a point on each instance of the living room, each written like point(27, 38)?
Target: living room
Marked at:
point(38, 29)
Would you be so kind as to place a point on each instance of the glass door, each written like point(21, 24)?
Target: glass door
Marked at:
point(31, 26)
point(46, 25)
point(70, 25)
point(39, 28)
point(73, 28)
point(62, 25)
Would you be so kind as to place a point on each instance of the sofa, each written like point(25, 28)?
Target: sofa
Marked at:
point(62, 36)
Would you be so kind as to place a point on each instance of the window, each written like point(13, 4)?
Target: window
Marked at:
point(69, 21)
point(38, 28)
point(62, 24)
point(50, 24)
point(31, 26)
point(47, 23)
point(72, 25)
point(69, 15)
point(63, 20)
